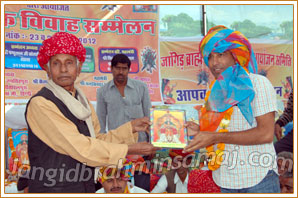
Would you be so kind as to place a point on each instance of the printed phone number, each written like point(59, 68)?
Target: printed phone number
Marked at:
point(36, 37)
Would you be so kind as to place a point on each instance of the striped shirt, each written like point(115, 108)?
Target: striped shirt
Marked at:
point(245, 166)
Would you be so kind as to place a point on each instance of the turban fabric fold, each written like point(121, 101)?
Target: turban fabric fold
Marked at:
point(178, 152)
point(60, 43)
point(233, 86)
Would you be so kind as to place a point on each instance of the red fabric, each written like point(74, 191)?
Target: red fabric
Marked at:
point(201, 181)
point(153, 180)
point(60, 43)
point(178, 152)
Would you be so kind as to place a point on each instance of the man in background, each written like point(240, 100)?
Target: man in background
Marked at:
point(116, 180)
point(284, 143)
point(286, 182)
point(121, 100)
point(176, 179)
point(285, 171)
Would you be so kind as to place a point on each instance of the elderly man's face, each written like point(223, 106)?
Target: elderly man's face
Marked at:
point(64, 70)
point(219, 62)
point(114, 185)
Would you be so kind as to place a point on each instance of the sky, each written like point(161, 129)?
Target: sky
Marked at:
point(268, 15)
point(227, 14)
point(192, 10)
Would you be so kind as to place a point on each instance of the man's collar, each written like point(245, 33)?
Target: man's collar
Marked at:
point(111, 84)
point(128, 84)
point(73, 93)
point(177, 178)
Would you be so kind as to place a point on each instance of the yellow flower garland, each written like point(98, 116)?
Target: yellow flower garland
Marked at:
point(13, 151)
point(216, 157)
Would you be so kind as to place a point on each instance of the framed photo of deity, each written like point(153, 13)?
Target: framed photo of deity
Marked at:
point(167, 129)
point(17, 142)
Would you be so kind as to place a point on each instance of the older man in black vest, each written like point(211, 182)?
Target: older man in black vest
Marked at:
point(64, 142)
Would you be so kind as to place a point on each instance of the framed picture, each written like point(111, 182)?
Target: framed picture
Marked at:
point(167, 129)
point(17, 149)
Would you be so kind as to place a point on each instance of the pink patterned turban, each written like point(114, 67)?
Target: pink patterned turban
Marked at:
point(60, 43)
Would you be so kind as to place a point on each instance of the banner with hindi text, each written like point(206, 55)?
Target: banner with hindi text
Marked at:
point(104, 30)
point(185, 77)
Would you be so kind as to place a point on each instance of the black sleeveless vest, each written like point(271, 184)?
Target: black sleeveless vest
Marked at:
point(52, 172)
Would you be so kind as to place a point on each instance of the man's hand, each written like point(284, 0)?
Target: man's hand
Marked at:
point(140, 124)
point(278, 131)
point(142, 148)
point(192, 128)
point(201, 140)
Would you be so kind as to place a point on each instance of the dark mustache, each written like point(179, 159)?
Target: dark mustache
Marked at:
point(116, 188)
